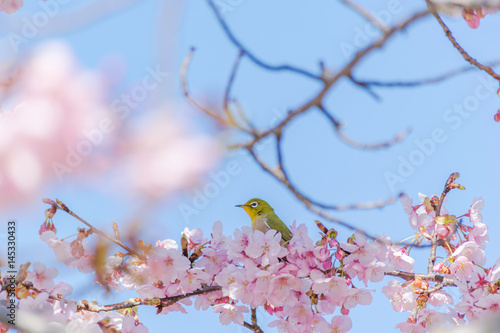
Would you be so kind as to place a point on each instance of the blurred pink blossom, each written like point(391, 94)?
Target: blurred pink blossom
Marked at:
point(59, 121)
point(160, 155)
point(46, 105)
point(10, 6)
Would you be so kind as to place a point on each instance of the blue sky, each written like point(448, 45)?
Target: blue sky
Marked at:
point(318, 162)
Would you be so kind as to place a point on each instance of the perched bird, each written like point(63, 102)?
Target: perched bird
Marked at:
point(264, 218)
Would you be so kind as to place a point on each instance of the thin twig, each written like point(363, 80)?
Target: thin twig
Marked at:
point(227, 93)
point(250, 55)
point(163, 301)
point(183, 72)
point(118, 242)
point(407, 276)
point(364, 146)
point(253, 327)
point(460, 49)
point(346, 71)
point(366, 14)
point(415, 83)
point(447, 188)
point(313, 208)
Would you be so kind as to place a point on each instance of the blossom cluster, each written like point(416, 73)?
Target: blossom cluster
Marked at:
point(462, 267)
point(474, 15)
point(60, 121)
point(10, 6)
point(300, 284)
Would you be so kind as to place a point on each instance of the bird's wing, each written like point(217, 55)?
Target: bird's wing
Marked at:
point(276, 224)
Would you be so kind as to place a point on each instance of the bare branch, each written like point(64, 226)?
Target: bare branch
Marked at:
point(407, 276)
point(366, 14)
point(339, 130)
point(227, 94)
point(164, 301)
point(185, 89)
point(460, 49)
point(346, 71)
point(253, 327)
point(62, 206)
point(415, 83)
point(251, 56)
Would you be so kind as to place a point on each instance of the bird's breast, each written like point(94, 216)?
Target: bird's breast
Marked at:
point(260, 223)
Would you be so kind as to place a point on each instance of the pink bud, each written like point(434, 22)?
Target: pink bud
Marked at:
point(327, 264)
point(437, 267)
point(497, 115)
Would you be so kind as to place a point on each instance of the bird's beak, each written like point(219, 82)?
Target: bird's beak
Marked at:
point(240, 206)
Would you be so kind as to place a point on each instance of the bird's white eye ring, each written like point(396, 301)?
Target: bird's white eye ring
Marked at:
point(254, 204)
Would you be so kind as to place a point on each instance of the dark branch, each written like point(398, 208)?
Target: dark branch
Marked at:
point(251, 56)
point(460, 49)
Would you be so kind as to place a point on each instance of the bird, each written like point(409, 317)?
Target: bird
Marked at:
point(264, 218)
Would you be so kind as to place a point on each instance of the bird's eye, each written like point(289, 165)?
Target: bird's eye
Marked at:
point(254, 204)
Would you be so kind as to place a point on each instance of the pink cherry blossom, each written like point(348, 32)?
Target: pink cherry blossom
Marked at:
point(299, 313)
point(230, 278)
point(472, 17)
point(193, 279)
point(356, 296)
point(42, 277)
point(218, 241)
point(285, 326)
point(85, 264)
point(10, 6)
point(474, 211)
point(62, 248)
point(406, 327)
point(167, 244)
point(469, 307)
point(212, 261)
point(230, 313)
point(300, 240)
point(167, 264)
point(362, 251)
point(62, 289)
point(240, 242)
point(400, 259)
point(462, 268)
point(194, 237)
point(35, 302)
point(129, 326)
point(265, 247)
point(440, 298)
point(472, 251)
point(281, 289)
point(375, 273)
point(431, 319)
point(417, 215)
point(63, 311)
point(161, 155)
point(491, 304)
point(51, 103)
point(339, 324)
point(479, 231)
point(402, 298)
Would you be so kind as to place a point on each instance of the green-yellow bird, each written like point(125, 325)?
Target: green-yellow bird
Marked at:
point(264, 218)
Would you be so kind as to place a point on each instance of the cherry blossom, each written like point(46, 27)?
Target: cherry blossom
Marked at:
point(42, 277)
point(402, 298)
point(298, 284)
point(10, 6)
point(230, 313)
point(167, 264)
point(52, 101)
point(265, 247)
